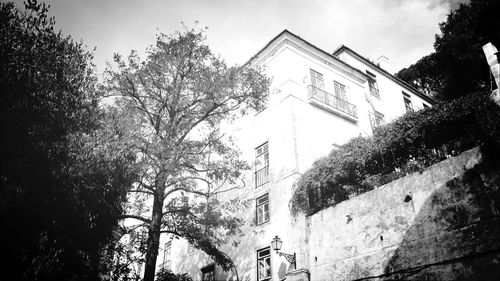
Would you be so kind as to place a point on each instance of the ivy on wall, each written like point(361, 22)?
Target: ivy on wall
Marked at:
point(410, 143)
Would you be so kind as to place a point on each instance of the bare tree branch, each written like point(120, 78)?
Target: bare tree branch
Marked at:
point(134, 227)
point(141, 191)
point(134, 217)
point(185, 190)
point(178, 210)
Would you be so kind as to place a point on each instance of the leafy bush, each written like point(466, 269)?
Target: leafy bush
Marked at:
point(410, 143)
point(165, 275)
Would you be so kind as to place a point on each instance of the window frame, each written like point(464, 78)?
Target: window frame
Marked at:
point(317, 77)
point(376, 119)
point(264, 257)
point(265, 167)
point(340, 90)
point(167, 250)
point(407, 102)
point(373, 85)
point(208, 269)
point(263, 205)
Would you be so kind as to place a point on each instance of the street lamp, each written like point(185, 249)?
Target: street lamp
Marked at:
point(276, 245)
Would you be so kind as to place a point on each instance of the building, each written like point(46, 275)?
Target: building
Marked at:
point(319, 101)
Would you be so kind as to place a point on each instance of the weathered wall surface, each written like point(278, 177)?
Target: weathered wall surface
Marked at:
point(441, 224)
point(296, 135)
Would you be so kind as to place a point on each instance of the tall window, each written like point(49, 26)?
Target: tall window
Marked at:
point(317, 79)
point(262, 209)
point(339, 90)
point(376, 119)
point(317, 85)
point(407, 101)
point(208, 273)
point(264, 264)
point(166, 255)
point(261, 165)
point(372, 84)
point(340, 102)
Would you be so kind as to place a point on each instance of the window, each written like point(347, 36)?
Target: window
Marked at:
point(407, 101)
point(372, 84)
point(166, 255)
point(261, 165)
point(264, 264)
point(340, 100)
point(262, 209)
point(317, 79)
point(208, 273)
point(376, 119)
point(339, 90)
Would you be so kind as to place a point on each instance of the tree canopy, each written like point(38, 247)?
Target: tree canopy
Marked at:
point(173, 103)
point(60, 194)
point(458, 67)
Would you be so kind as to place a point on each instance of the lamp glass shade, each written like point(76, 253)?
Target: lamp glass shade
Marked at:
point(276, 243)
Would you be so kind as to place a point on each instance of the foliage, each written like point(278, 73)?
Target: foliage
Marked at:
point(408, 144)
point(59, 194)
point(458, 66)
point(172, 105)
point(165, 275)
point(122, 260)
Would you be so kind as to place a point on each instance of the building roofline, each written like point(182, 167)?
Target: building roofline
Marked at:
point(265, 47)
point(384, 72)
point(286, 31)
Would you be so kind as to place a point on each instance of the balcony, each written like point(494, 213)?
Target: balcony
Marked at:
point(332, 103)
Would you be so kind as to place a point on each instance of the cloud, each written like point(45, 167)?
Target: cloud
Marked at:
point(452, 4)
point(403, 30)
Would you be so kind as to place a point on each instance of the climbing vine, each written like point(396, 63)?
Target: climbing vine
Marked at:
point(410, 143)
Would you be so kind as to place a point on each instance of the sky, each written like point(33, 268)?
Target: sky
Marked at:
point(402, 30)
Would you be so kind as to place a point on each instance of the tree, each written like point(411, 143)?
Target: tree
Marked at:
point(60, 194)
point(173, 103)
point(458, 66)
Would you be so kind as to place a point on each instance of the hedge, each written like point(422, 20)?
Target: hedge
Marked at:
point(410, 143)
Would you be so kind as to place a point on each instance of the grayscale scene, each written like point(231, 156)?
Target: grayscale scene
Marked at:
point(266, 140)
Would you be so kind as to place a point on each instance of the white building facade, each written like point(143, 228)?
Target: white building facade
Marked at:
point(319, 101)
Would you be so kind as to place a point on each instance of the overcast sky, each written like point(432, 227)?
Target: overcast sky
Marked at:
point(402, 30)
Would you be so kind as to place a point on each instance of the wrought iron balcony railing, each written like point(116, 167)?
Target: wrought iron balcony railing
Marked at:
point(332, 101)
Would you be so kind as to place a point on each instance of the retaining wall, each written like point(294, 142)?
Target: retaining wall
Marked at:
point(440, 224)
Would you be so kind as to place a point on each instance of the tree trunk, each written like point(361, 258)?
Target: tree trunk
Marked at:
point(153, 242)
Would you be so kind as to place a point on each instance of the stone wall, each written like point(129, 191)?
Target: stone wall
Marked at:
point(440, 224)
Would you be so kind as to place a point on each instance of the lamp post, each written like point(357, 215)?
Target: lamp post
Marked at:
point(276, 245)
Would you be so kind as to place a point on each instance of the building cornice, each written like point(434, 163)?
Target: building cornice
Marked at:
point(384, 72)
point(287, 37)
